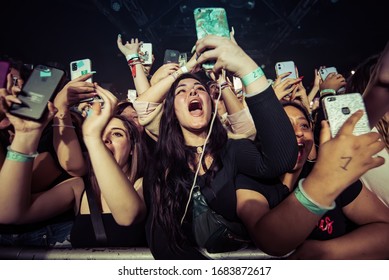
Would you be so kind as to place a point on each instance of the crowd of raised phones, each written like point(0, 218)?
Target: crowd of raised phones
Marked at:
point(153, 171)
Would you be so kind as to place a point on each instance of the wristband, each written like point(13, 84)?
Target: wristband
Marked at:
point(327, 90)
point(253, 76)
point(184, 69)
point(19, 157)
point(309, 203)
point(132, 56)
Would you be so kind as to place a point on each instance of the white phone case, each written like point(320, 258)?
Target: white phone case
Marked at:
point(338, 108)
point(146, 53)
point(80, 67)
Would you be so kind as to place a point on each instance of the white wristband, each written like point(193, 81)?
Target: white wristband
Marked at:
point(132, 56)
point(184, 69)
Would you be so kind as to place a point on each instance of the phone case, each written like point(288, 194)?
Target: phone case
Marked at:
point(38, 90)
point(146, 53)
point(79, 68)
point(324, 72)
point(4, 70)
point(211, 21)
point(131, 95)
point(182, 59)
point(337, 109)
point(171, 56)
point(283, 67)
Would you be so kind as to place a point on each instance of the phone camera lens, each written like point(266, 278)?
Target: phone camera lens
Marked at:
point(74, 66)
point(345, 110)
point(331, 99)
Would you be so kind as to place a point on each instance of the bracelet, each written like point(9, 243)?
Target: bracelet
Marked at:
point(63, 125)
point(175, 75)
point(132, 56)
point(327, 90)
point(253, 76)
point(19, 157)
point(184, 69)
point(224, 85)
point(309, 203)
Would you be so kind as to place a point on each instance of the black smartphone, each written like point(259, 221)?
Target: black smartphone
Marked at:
point(40, 88)
point(4, 70)
point(171, 56)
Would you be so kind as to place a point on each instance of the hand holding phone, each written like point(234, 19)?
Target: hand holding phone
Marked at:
point(80, 67)
point(337, 109)
point(284, 67)
point(40, 88)
point(211, 21)
point(324, 72)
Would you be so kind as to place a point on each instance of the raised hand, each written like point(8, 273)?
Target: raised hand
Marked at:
point(128, 48)
point(343, 159)
point(74, 91)
point(164, 71)
point(98, 118)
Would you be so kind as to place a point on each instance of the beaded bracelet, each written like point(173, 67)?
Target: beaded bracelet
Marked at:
point(19, 157)
point(253, 76)
point(309, 203)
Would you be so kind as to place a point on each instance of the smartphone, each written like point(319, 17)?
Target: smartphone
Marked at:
point(238, 86)
point(40, 87)
point(182, 59)
point(146, 53)
point(131, 95)
point(338, 108)
point(4, 70)
point(171, 56)
point(79, 68)
point(211, 21)
point(283, 67)
point(324, 72)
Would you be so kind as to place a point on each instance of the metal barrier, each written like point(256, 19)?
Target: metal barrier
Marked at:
point(33, 253)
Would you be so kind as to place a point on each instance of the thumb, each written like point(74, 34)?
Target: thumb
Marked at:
point(325, 132)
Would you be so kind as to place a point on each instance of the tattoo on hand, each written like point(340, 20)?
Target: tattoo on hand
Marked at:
point(348, 159)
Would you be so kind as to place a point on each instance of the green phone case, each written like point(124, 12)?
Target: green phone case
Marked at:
point(211, 21)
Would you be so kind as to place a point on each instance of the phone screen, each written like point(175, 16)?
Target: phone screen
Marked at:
point(211, 21)
point(146, 53)
point(171, 56)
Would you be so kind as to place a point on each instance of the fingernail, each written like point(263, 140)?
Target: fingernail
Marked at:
point(92, 72)
point(233, 30)
point(193, 49)
point(301, 77)
point(119, 35)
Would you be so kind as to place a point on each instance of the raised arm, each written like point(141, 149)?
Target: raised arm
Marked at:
point(341, 161)
point(120, 195)
point(65, 140)
point(17, 204)
point(131, 51)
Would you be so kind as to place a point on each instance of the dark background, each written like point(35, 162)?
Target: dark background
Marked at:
point(311, 32)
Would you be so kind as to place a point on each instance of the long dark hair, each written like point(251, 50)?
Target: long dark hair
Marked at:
point(172, 173)
point(136, 162)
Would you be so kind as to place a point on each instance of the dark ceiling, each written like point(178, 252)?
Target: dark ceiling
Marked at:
point(336, 33)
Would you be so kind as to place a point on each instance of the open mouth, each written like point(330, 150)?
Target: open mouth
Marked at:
point(301, 147)
point(195, 107)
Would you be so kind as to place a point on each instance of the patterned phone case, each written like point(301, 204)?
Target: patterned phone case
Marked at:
point(338, 108)
point(211, 21)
